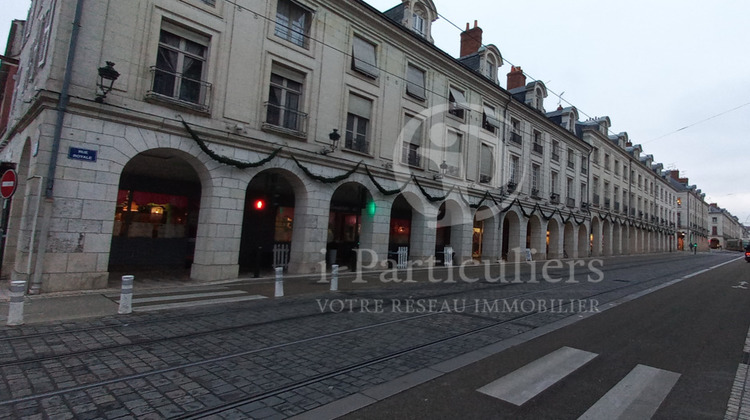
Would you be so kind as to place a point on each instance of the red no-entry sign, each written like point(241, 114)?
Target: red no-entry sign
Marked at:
point(8, 183)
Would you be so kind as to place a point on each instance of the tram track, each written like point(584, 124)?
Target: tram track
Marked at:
point(128, 331)
point(330, 374)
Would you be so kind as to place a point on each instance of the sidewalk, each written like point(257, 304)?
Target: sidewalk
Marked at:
point(72, 305)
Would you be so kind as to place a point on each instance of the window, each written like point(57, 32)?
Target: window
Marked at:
point(554, 182)
point(486, 168)
point(457, 103)
point(489, 119)
point(181, 65)
point(714, 220)
point(491, 68)
point(595, 155)
point(535, 180)
point(415, 82)
point(713, 230)
point(515, 131)
point(537, 146)
point(571, 200)
point(412, 141)
point(583, 192)
point(285, 100)
point(514, 163)
point(293, 22)
point(357, 124)
point(617, 167)
point(571, 159)
point(418, 23)
point(584, 165)
point(452, 153)
point(555, 150)
point(364, 59)
point(606, 161)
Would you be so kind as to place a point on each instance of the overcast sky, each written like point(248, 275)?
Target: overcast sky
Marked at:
point(675, 75)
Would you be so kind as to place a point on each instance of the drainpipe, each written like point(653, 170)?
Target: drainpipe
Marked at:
point(36, 280)
point(36, 283)
point(64, 98)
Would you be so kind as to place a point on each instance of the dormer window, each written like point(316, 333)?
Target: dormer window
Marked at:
point(491, 69)
point(418, 24)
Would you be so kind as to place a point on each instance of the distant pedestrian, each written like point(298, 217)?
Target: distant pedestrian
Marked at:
point(695, 248)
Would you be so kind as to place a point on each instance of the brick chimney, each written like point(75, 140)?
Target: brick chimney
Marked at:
point(675, 174)
point(516, 78)
point(684, 181)
point(471, 40)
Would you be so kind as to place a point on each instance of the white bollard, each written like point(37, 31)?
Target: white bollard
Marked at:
point(334, 278)
point(279, 282)
point(15, 308)
point(126, 295)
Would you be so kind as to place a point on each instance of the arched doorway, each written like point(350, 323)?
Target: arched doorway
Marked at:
point(595, 239)
point(553, 239)
point(616, 238)
point(484, 238)
point(511, 243)
point(156, 218)
point(536, 238)
point(584, 244)
point(606, 238)
point(569, 242)
point(348, 204)
point(400, 230)
point(268, 222)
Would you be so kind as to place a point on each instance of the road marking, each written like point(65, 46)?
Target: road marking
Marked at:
point(528, 381)
point(637, 396)
point(187, 296)
point(147, 308)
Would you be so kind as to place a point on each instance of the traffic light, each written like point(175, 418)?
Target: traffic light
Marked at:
point(259, 204)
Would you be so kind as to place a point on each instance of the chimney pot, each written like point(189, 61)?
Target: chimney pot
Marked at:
point(471, 39)
point(516, 78)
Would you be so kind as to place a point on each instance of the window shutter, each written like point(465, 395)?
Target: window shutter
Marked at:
point(364, 59)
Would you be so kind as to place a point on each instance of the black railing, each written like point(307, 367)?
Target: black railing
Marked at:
point(175, 88)
point(285, 118)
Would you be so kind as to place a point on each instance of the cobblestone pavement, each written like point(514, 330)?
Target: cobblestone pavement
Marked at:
point(277, 358)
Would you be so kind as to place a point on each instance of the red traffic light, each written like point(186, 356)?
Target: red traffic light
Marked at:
point(259, 204)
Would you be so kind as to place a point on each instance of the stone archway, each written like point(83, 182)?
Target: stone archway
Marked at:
point(157, 214)
point(511, 236)
point(536, 237)
point(584, 241)
point(554, 239)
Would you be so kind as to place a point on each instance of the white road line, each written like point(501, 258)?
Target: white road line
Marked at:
point(528, 381)
point(147, 308)
point(636, 396)
point(186, 296)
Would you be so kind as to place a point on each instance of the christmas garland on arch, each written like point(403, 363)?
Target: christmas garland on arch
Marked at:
point(324, 179)
point(223, 159)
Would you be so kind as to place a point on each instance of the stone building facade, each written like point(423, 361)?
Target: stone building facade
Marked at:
point(245, 135)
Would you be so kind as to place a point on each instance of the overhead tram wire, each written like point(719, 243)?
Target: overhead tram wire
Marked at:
point(698, 122)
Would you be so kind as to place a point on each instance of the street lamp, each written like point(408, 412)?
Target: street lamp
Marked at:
point(107, 77)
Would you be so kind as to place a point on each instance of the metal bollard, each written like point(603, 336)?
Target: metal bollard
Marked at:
point(126, 295)
point(279, 282)
point(15, 309)
point(334, 278)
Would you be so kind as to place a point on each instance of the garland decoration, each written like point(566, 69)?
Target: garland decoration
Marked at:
point(328, 180)
point(380, 187)
point(427, 195)
point(387, 192)
point(223, 159)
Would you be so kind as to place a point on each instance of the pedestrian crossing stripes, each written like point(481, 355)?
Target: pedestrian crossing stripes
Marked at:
point(637, 396)
point(527, 382)
point(189, 299)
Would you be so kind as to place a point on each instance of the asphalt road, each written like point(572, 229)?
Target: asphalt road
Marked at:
point(695, 328)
